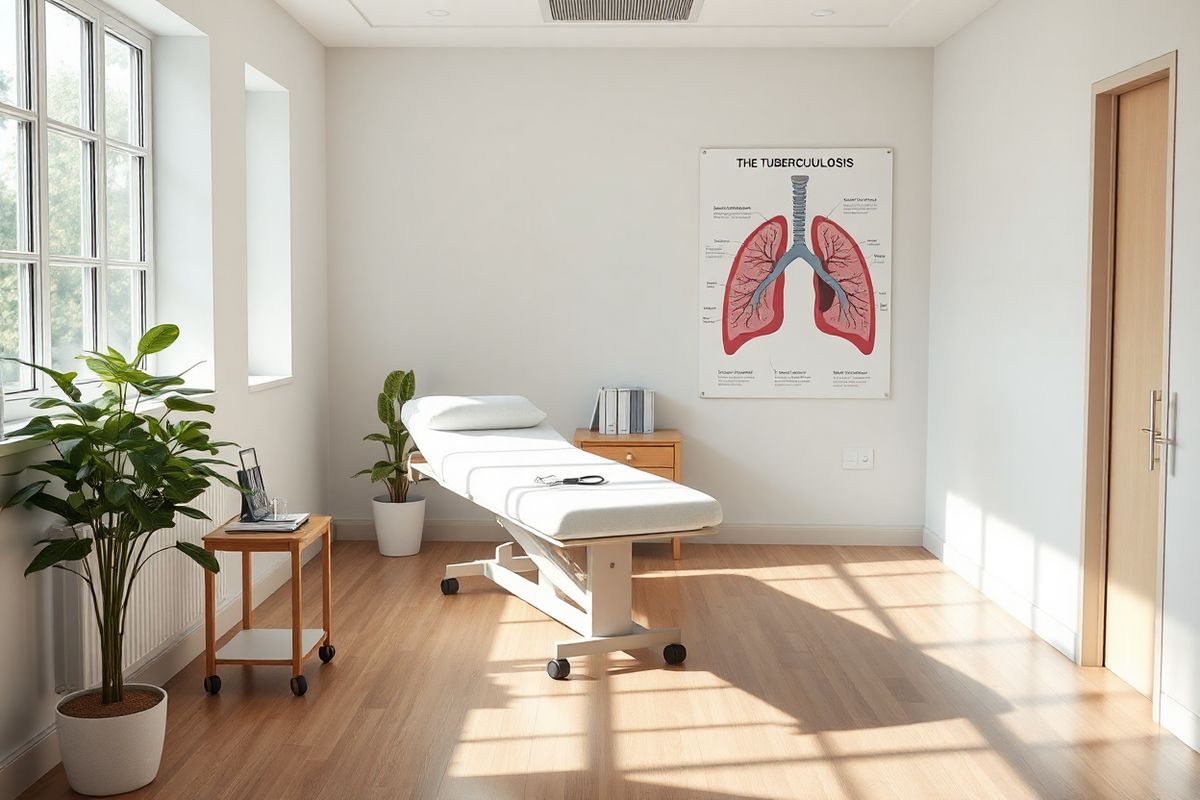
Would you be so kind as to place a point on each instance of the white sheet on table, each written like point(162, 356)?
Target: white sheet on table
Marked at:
point(497, 470)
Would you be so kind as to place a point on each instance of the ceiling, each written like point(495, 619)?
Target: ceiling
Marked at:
point(718, 23)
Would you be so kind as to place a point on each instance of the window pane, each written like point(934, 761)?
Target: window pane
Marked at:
point(124, 177)
point(16, 325)
point(70, 194)
point(122, 90)
point(68, 79)
point(125, 309)
point(14, 53)
point(16, 193)
point(71, 321)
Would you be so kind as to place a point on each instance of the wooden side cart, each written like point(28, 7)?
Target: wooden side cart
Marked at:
point(280, 646)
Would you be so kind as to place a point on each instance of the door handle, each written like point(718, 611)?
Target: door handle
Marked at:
point(1153, 437)
point(1152, 431)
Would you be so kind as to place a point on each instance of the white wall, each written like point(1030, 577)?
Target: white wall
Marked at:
point(526, 221)
point(1012, 128)
point(287, 423)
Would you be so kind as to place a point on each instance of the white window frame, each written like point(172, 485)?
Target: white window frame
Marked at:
point(103, 21)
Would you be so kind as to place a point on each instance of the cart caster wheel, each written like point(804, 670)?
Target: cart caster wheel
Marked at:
point(674, 653)
point(449, 585)
point(212, 684)
point(558, 669)
point(299, 685)
point(326, 653)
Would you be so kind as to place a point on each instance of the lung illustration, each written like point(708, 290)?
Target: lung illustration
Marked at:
point(850, 315)
point(844, 299)
point(753, 306)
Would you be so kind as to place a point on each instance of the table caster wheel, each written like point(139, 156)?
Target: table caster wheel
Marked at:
point(326, 653)
point(674, 653)
point(449, 585)
point(212, 684)
point(299, 685)
point(558, 669)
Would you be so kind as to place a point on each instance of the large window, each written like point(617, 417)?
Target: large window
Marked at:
point(75, 255)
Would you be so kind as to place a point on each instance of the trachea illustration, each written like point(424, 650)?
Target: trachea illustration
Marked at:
point(844, 300)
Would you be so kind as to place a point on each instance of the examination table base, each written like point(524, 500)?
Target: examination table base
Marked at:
point(596, 602)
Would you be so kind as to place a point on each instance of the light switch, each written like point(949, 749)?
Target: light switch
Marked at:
point(850, 458)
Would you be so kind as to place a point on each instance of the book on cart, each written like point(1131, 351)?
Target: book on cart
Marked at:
point(271, 523)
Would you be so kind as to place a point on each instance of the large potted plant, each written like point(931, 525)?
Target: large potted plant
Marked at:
point(126, 471)
point(399, 515)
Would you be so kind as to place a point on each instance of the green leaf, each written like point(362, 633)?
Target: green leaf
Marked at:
point(211, 473)
point(408, 387)
point(35, 426)
point(117, 493)
point(162, 382)
point(26, 494)
point(386, 408)
point(361, 472)
point(63, 470)
point(176, 403)
point(391, 384)
point(157, 339)
point(201, 556)
point(141, 513)
point(64, 380)
point(382, 470)
point(377, 437)
point(59, 506)
point(194, 513)
point(112, 357)
point(57, 551)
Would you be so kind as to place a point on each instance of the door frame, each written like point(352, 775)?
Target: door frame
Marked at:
point(1097, 410)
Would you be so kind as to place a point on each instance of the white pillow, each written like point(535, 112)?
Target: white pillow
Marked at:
point(483, 413)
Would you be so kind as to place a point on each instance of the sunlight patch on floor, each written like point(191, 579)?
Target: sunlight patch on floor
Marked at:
point(496, 741)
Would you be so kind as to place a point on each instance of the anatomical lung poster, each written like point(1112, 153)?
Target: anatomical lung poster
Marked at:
point(795, 272)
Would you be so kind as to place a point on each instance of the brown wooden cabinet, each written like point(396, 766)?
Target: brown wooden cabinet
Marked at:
point(659, 453)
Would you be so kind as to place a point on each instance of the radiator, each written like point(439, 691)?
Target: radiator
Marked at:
point(167, 601)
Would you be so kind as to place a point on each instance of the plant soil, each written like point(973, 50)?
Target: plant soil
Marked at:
point(88, 706)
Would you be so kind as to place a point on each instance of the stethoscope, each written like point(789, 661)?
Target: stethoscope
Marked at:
point(584, 480)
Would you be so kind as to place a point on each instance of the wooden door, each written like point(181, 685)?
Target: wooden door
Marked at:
point(1137, 377)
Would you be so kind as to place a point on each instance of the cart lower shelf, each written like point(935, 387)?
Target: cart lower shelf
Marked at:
point(268, 646)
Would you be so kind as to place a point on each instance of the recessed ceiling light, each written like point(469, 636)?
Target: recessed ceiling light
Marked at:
point(438, 12)
point(823, 12)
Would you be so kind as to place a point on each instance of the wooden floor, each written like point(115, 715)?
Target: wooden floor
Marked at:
point(813, 672)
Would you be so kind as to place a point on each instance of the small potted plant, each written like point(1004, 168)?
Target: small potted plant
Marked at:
point(399, 515)
point(126, 474)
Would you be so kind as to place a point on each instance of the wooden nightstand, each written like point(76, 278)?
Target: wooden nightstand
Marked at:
point(659, 453)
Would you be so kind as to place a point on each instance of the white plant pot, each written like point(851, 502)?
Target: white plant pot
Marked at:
point(398, 526)
point(113, 755)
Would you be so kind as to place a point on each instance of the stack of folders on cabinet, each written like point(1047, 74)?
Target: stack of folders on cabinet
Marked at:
point(623, 410)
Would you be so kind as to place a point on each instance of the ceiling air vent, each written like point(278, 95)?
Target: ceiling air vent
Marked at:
point(620, 10)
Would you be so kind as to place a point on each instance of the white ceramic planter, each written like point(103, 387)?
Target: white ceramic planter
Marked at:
point(113, 755)
point(398, 526)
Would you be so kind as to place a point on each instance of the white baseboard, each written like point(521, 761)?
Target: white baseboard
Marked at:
point(477, 530)
point(864, 535)
point(1060, 636)
point(1177, 718)
point(40, 754)
point(436, 530)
